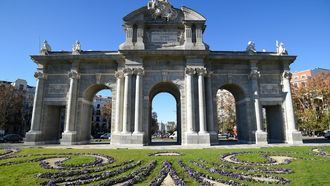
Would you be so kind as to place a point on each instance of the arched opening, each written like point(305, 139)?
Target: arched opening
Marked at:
point(231, 114)
point(96, 114)
point(164, 115)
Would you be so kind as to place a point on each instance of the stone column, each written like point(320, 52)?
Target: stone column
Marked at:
point(138, 98)
point(293, 136)
point(34, 135)
point(126, 107)
point(189, 100)
point(201, 100)
point(69, 134)
point(210, 105)
point(118, 119)
point(71, 102)
point(260, 135)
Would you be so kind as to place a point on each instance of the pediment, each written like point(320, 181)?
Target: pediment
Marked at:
point(183, 14)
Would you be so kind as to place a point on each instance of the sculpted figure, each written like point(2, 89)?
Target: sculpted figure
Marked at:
point(163, 9)
point(46, 47)
point(280, 49)
point(251, 48)
point(76, 47)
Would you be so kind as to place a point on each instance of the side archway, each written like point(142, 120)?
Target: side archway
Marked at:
point(87, 111)
point(241, 108)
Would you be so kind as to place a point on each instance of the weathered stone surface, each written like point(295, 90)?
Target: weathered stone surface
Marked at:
point(167, 55)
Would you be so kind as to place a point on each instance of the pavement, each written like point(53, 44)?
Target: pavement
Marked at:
point(223, 144)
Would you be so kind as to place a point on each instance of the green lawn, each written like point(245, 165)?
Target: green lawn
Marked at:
point(308, 168)
point(78, 160)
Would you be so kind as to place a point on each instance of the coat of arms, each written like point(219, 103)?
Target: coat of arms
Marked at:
point(162, 9)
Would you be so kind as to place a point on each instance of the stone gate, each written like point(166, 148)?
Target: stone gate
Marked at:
point(163, 52)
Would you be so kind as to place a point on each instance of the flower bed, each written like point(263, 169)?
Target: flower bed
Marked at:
point(248, 177)
point(164, 172)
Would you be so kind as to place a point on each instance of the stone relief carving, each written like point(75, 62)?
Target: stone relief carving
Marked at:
point(40, 75)
point(190, 71)
point(162, 9)
point(57, 89)
point(287, 75)
point(73, 74)
point(269, 89)
point(254, 74)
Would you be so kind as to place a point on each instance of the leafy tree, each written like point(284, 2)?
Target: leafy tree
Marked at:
point(311, 103)
point(11, 108)
point(154, 123)
point(106, 112)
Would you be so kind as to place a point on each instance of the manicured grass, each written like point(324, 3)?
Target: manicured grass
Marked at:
point(308, 168)
point(78, 160)
point(327, 149)
point(254, 158)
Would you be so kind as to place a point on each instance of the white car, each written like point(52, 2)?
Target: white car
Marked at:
point(173, 136)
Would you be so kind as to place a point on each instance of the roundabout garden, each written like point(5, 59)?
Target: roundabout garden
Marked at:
point(277, 166)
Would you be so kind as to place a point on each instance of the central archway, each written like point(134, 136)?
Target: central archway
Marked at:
point(171, 88)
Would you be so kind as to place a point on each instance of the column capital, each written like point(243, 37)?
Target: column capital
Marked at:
point(254, 74)
point(73, 74)
point(287, 75)
point(201, 71)
point(190, 71)
point(139, 71)
point(40, 75)
point(119, 74)
point(128, 71)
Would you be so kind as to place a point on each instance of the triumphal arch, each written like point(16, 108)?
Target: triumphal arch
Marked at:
point(164, 51)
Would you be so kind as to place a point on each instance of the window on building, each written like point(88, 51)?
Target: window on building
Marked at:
point(21, 87)
point(98, 112)
point(97, 118)
point(98, 106)
point(303, 77)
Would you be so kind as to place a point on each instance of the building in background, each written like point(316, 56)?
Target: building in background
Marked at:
point(28, 94)
point(100, 124)
point(170, 126)
point(300, 78)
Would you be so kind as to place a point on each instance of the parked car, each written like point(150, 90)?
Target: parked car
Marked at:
point(327, 135)
point(173, 136)
point(106, 136)
point(12, 138)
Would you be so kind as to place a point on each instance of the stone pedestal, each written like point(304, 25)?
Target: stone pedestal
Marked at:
point(136, 139)
point(294, 137)
point(191, 138)
point(34, 138)
point(69, 138)
point(261, 138)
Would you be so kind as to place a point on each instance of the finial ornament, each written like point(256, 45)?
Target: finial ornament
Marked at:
point(45, 48)
point(76, 49)
point(162, 9)
point(280, 49)
point(251, 48)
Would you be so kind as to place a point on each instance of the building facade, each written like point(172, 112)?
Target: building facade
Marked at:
point(300, 78)
point(164, 51)
point(100, 124)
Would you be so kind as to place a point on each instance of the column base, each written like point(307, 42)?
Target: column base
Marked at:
point(127, 139)
point(261, 138)
point(69, 138)
point(294, 138)
point(206, 139)
point(34, 138)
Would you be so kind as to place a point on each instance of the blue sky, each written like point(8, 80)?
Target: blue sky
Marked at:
point(303, 25)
